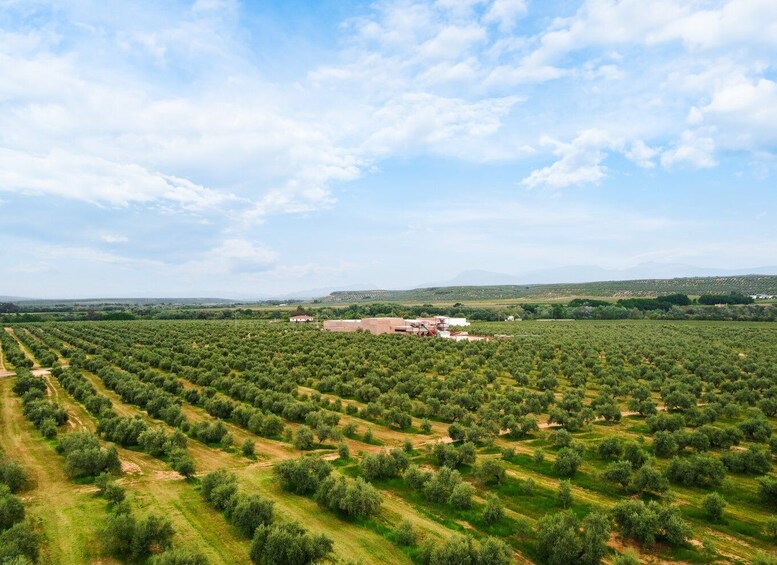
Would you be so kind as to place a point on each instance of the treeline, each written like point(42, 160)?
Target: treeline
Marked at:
point(671, 306)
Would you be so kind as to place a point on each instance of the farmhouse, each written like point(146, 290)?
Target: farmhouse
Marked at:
point(302, 319)
point(435, 326)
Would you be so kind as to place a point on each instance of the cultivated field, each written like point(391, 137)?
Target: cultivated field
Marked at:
point(580, 442)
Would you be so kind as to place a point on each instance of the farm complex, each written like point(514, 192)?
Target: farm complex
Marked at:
point(249, 441)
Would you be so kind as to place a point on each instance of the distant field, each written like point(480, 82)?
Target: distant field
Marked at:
point(763, 284)
point(660, 395)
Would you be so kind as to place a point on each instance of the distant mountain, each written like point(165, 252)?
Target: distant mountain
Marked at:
point(122, 301)
point(319, 292)
point(592, 273)
point(648, 287)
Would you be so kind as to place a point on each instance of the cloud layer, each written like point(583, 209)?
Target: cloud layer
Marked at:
point(177, 130)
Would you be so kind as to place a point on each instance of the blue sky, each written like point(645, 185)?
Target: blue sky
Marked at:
point(256, 148)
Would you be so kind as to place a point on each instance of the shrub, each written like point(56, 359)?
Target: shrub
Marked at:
point(20, 541)
point(302, 475)
point(664, 444)
point(558, 539)
point(85, 458)
point(567, 461)
point(647, 479)
point(628, 558)
point(634, 454)
point(770, 528)
point(353, 498)
point(713, 505)
point(753, 461)
point(564, 493)
point(12, 475)
point(491, 472)
point(181, 556)
point(596, 532)
point(461, 496)
point(561, 438)
point(11, 508)
point(756, 428)
point(610, 448)
point(250, 512)
point(494, 510)
point(384, 465)
point(214, 485)
point(248, 448)
point(460, 550)
point(646, 523)
point(114, 493)
point(767, 490)
point(618, 472)
point(286, 543)
point(304, 439)
point(416, 477)
point(181, 461)
point(405, 534)
point(526, 487)
point(125, 536)
point(697, 470)
point(440, 485)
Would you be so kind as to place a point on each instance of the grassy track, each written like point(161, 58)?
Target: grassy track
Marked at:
point(24, 348)
point(69, 516)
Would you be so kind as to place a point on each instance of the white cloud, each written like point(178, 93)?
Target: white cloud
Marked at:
point(434, 123)
point(452, 42)
point(744, 111)
point(694, 149)
point(624, 22)
point(641, 154)
point(505, 13)
point(231, 256)
point(96, 180)
point(113, 238)
point(580, 161)
point(30, 268)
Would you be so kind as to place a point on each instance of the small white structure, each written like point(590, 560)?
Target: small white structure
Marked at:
point(458, 322)
point(301, 319)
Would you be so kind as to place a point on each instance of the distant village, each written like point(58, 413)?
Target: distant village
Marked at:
point(443, 327)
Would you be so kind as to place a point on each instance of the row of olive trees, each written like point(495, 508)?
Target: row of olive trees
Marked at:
point(273, 542)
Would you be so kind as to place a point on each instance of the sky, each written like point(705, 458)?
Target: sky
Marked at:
point(257, 148)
